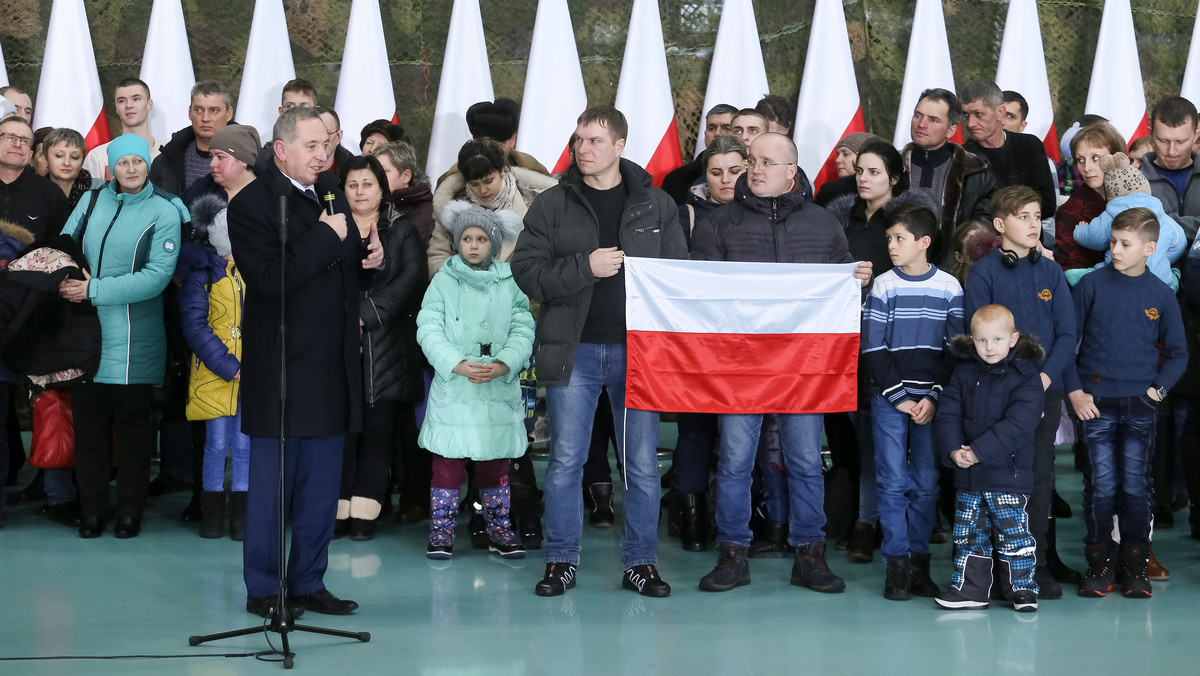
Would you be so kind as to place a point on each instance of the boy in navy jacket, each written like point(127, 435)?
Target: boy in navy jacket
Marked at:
point(1125, 314)
point(985, 429)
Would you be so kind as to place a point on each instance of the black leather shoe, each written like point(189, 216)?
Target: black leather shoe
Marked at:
point(194, 511)
point(646, 581)
point(66, 513)
point(91, 527)
point(326, 603)
point(263, 605)
point(127, 527)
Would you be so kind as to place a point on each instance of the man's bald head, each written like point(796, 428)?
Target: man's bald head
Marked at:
point(772, 164)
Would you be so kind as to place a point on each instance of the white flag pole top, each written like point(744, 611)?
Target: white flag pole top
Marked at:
point(268, 67)
point(1116, 90)
point(466, 79)
point(829, 105)
point(167, 69)
point(737, 76)
point(3, 70)
point(1022, 69)
point(1191, 74)
point(364, 91)
point(69, 91)
point(644, 95)
point(928, 66)
point(554, 93)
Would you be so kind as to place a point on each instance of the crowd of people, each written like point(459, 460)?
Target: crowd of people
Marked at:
point(231, 302)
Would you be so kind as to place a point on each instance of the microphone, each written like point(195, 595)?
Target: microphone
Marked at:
point(281, 187)
point(326, 184)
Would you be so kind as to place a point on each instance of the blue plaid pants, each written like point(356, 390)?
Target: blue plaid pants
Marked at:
point(978, 518)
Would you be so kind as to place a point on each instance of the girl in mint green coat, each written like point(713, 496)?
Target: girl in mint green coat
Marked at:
point(476, 331)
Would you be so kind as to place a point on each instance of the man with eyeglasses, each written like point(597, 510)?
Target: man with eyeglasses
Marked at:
point(26, 199)
point(772, 219)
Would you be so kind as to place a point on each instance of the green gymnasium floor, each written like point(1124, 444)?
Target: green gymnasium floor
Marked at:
point(63, 596)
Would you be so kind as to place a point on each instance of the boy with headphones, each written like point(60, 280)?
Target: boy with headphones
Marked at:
point(1035, 290)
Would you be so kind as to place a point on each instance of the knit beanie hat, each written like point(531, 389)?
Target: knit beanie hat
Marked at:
point(127, 144)
point(497, 121)
point(1121, 178)
point(856, 142)
point(239, 140)
point(500, 226)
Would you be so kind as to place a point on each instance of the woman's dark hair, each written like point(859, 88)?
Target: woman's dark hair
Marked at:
point(479, 158)
point(359, 162)
point(893, 163)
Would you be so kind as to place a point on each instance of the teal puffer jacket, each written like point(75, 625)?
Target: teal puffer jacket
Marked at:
point(463, 310)
point(131, 244)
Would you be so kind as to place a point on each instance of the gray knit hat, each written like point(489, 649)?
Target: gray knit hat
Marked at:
point(239, 140)
point(500, 226)
point(857, 141)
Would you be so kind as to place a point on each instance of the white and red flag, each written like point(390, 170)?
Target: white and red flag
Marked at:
point(644, 95)
point(928, 66)
point(738, 76)
point(829, 105)
point(1191, 73)
point(1022, 69)
point(466, 80)
point(722, 337)
point(1116, 90)
point(69, 90)
point(269, 66)
point(554, 93)
point(167, 69)
point(364, 92)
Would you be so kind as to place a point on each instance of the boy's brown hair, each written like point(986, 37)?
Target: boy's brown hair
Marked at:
point(1008, 201)
point(1138, 220)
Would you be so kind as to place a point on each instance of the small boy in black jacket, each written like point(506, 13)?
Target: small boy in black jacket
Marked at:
point(984, 427)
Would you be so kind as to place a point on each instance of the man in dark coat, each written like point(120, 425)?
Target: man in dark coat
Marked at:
point(324, 381)
point(30, 201)
point(185, 157)
point(718, 122)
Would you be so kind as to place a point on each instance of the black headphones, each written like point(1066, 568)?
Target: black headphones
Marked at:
point(1010, 259)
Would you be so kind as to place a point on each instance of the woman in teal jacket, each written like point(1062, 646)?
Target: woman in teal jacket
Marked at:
point(476, 330)
point(130, 234)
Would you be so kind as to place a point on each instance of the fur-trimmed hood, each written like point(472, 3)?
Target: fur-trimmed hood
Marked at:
point(22, 235)
point(1027, 349)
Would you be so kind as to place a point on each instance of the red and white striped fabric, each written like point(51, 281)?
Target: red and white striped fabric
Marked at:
point(738, 76)
point(644, 95)
point(69, 90)
point(554, 93)
point(364, 92)
point(829, 105)
point(466, 80)
point(167, 69)
point(269, 66)
point(1116, 90)
point(928, 65)
point(1022, 69)
point(721, 337)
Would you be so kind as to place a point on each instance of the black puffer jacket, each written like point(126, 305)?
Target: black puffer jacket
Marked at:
point(392, 359)
point(789, 228)
point(867, 238)
point(550, 262)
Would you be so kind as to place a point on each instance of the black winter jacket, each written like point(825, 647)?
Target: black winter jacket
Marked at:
point(867, 239)
point(166, 172)
point(550, 262)
point(393, 364)
point(994, 409)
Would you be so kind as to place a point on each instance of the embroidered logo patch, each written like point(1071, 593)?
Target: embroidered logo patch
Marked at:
point(1152, 313)
point(169, 246)
point(1045, 295)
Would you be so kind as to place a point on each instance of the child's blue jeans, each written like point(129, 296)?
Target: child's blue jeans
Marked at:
point(1120, 445)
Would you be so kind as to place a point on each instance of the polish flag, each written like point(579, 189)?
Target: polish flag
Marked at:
point(1022, 69)
point(1191, 74)
point(829, 106)
point(69, 91)
point(364, 92)
point(721, 337)
point(554, 92)
point(268, 67)
point(466, 79)
point(167, 69)
point(928, 66)
point(738, 76)
point(1116, 90)
point(644, 95)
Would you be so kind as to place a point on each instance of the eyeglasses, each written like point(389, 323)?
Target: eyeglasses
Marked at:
point(23, 141)
point(751, 162)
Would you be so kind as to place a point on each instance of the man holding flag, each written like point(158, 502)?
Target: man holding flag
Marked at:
point(772, 219)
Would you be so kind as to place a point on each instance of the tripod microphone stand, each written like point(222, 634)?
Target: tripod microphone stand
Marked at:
point(280, 619)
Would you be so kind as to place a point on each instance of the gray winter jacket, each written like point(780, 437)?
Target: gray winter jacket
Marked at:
point(1185, 209)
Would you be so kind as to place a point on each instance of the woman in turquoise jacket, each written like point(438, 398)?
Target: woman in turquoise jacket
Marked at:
point(130, 234)
point(476, 330)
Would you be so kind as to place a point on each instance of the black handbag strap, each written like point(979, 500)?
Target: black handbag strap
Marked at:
point(87, 216)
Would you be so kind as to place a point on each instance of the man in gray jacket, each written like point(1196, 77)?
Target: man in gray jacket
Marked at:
point(1172, 166)
point(570, 257)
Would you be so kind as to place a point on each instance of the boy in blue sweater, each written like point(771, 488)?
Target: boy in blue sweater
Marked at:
point(1133, 350)
point(1017, 275)
point(911, 313)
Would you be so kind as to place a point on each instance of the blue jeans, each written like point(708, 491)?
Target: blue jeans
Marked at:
point(222, 435)
point(1120, 445)
point(693, 452)
point(571, 409)
point(907, 478)
point(801, 442)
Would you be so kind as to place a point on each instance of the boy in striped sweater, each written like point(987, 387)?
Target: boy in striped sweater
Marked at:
point(912, 312)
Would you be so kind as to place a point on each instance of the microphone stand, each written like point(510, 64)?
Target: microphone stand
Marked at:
point(280, 619)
